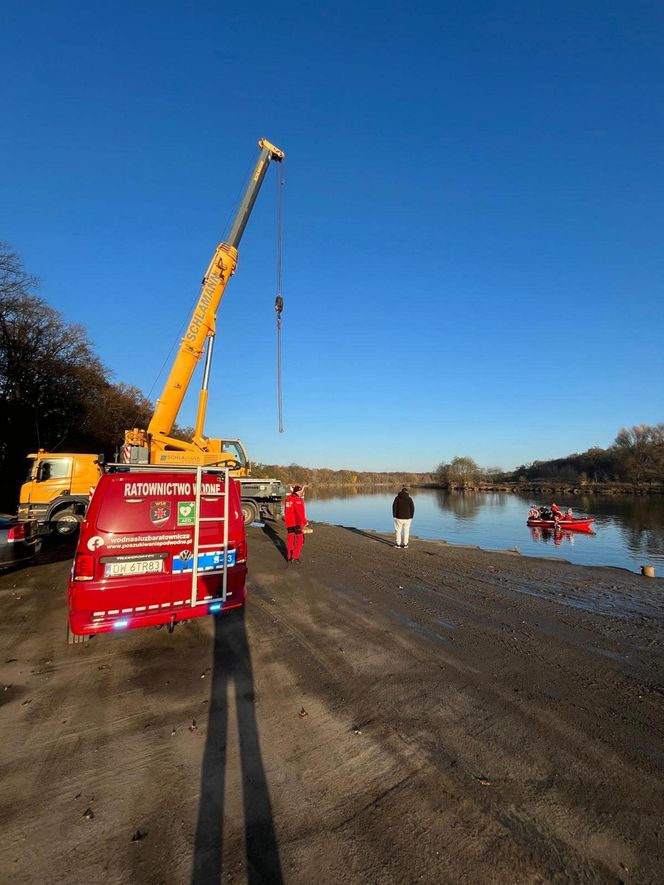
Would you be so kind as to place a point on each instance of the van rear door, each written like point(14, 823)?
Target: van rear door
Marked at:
point(136, 561)
point(136, 535)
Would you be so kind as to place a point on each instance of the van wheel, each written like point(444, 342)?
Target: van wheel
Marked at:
point(249, 512)
point(65, 523)
point(74, 639)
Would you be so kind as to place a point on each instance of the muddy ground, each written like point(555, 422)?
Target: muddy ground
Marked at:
point(379, 716)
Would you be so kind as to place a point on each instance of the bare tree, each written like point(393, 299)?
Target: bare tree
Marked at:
point(48, 371)
point(641, 451)
point(47, 366)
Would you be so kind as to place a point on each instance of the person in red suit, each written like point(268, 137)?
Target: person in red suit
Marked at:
point(295, 519)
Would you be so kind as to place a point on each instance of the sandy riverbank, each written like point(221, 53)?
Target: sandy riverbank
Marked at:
point(469, 717)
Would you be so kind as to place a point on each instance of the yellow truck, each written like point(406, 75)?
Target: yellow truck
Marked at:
point(58, 488)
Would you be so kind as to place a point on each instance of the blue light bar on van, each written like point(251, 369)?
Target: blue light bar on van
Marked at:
point(215, 606)
point(120, 625)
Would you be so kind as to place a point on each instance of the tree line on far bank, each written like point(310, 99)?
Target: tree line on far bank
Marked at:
point(635, 457)
point(323, 476)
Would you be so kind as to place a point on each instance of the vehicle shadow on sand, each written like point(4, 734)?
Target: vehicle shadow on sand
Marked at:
point(276, 539)
point(232, 666)
point(52, 550)
point(55, 549)
point(369, 535)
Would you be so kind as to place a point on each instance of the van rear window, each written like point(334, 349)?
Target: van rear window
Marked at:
point(136, 503)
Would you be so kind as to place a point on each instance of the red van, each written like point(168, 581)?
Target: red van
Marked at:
point(158, 547)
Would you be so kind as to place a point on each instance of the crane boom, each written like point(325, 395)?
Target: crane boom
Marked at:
point(202, 323)
point(200, 331)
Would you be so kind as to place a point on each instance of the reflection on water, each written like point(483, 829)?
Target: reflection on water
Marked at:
point(629, 531)
point(467, 505)
point(645, 540)
point(544, 536)
point(464, 506)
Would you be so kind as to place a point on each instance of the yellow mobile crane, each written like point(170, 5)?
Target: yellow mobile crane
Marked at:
point(155, 445)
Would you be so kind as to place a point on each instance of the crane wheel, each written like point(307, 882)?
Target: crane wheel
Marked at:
point(249, 512)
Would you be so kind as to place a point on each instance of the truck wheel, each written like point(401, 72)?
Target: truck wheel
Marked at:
point(249, 512)
point(65, 523)
point(73, 639)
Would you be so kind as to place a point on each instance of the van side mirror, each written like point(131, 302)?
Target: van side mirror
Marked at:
point(101, 459)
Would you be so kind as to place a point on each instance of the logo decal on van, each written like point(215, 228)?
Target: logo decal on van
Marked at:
point(186, 555)
point(160, 512)
point(95, 542)
point(186, 512)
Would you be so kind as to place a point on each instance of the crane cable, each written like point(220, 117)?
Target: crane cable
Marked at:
point(279, 301)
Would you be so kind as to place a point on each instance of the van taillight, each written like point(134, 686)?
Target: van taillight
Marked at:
point(16, 533)
point(241, 551)
point(84, 567)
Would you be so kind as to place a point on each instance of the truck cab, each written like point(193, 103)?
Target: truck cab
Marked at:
point(57, 489)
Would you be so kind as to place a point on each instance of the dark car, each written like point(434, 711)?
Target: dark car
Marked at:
point(18, 540)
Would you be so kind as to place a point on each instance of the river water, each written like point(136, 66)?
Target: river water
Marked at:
point(628, 531)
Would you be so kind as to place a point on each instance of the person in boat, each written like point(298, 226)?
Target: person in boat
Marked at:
point(568, 516)
point(556, 512)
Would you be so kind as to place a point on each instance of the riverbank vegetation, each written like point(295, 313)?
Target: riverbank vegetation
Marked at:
point(636, 456)
point(322, 476)
point(635, 461)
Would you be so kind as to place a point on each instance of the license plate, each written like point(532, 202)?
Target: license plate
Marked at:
point(134, 567)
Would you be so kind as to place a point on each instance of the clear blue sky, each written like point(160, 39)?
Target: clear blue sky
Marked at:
point(474, 212)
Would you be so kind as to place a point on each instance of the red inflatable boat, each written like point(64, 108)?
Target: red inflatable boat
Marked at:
point(581, 524)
